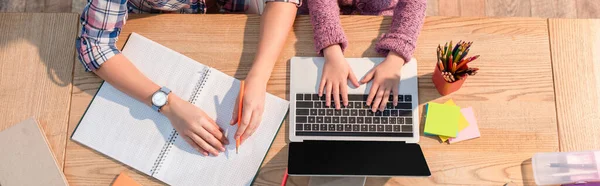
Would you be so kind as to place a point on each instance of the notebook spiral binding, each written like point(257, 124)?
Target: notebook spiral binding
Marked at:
point(173, 136)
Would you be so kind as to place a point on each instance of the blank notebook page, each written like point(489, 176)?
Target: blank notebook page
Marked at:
point(122, 127)
point(185, 166)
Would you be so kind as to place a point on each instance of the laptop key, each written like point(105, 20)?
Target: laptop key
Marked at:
point(389, 105)
point(372, 128)
point(314, 112)
point(329, 112)
point(348, 127)
point(370, 113)
point(400, 98)
point(352, 120)
point(362, 112)
point(392, 120)
point(368, 120)
point(304, 104)
point(307, 97)
point(323, 127)
point(400, 120)
point(384, 120)
point(388, 128)
point(343, 120)
point(324, 105)
point(394, 113)
point(405, 106)
point(319, 119)
point(355, 128)
point(315, 97)
point(299, 97)
point(317, 104)
point(407, 98)
point(396, 128)
point(301, 119)
point(299, 126)
point(306, 126)
point(355, 97)
point(335, 120)
point(315, 127)
point(380, 128)
point(378, 113)
point(360, 120)
point(376, 120)
point(405, 113)
point(302, 112)
point(364, 128)
point(406, 128)
point(339, 127)
point(345, 112)
point(331, 127)
point(386, 113)
point(321, 112)
point(337, 112)
point(327, 119)
point(357, 104)
point(311, 119)
point(350, 105)
point(408, 121)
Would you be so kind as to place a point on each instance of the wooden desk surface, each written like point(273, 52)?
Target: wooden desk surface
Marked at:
point(36, 68)
point(513, 96)
point(576, 61)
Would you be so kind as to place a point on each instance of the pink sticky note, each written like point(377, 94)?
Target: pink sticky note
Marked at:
point(472, 131)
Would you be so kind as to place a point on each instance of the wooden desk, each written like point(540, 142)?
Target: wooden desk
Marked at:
point(576, 63)
point(513, 96)
point(36, 68)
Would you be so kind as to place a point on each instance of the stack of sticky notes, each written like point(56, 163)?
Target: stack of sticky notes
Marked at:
point(450, 122)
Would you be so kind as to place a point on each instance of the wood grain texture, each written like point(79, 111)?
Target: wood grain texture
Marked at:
point(432, 8)
point(513, 96)
point(554, 8)
point(58, 6)
point(473, 8)
point(508, 8)
point(12, 6)
point(588, 9)
point(576, 61)
point(36, 66)
point(448, 8)
point(34, 6)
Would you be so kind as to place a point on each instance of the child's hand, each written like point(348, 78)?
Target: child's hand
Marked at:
point(336, 73)
point(253, 107)
point(386, 79)
point(194, 126)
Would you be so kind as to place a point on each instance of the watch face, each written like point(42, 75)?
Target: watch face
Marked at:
point(159, 99)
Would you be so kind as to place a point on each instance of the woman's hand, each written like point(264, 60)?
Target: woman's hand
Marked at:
point(194, 126)
point(253, 105)
point(386, 79)
point(335, 76)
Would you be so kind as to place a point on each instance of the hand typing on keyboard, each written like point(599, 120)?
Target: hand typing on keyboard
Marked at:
point(386, 79)
point(336, 73)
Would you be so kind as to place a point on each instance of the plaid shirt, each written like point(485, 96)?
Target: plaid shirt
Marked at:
point(102, 21)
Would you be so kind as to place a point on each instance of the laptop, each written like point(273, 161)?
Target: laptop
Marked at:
point(353, 141)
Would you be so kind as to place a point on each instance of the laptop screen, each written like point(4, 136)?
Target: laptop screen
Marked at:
point(356, 158)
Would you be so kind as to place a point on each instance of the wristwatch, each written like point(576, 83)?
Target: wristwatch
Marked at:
point(160, 98)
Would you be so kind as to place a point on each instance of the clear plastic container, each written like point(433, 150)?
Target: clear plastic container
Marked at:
point(566, 167)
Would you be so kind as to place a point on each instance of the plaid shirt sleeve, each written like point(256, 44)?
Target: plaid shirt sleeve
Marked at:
point(101, 21)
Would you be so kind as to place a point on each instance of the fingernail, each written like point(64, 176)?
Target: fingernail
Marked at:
point(204, 153)
point(222, 149)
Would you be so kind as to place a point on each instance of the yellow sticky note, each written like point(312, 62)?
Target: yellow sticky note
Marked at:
point(462, 121)
point(442, 119)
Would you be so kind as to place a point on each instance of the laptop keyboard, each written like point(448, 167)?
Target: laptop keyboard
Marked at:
point(314, 118)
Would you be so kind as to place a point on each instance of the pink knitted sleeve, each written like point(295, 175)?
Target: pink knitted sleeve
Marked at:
point(325, 17)
point(406, 25)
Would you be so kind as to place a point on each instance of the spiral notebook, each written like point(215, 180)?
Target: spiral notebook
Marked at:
point(130, 132)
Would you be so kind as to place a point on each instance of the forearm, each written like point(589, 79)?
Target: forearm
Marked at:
point(325, 17)
point(275, 24)
point(120, 73)
point(406, 25)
